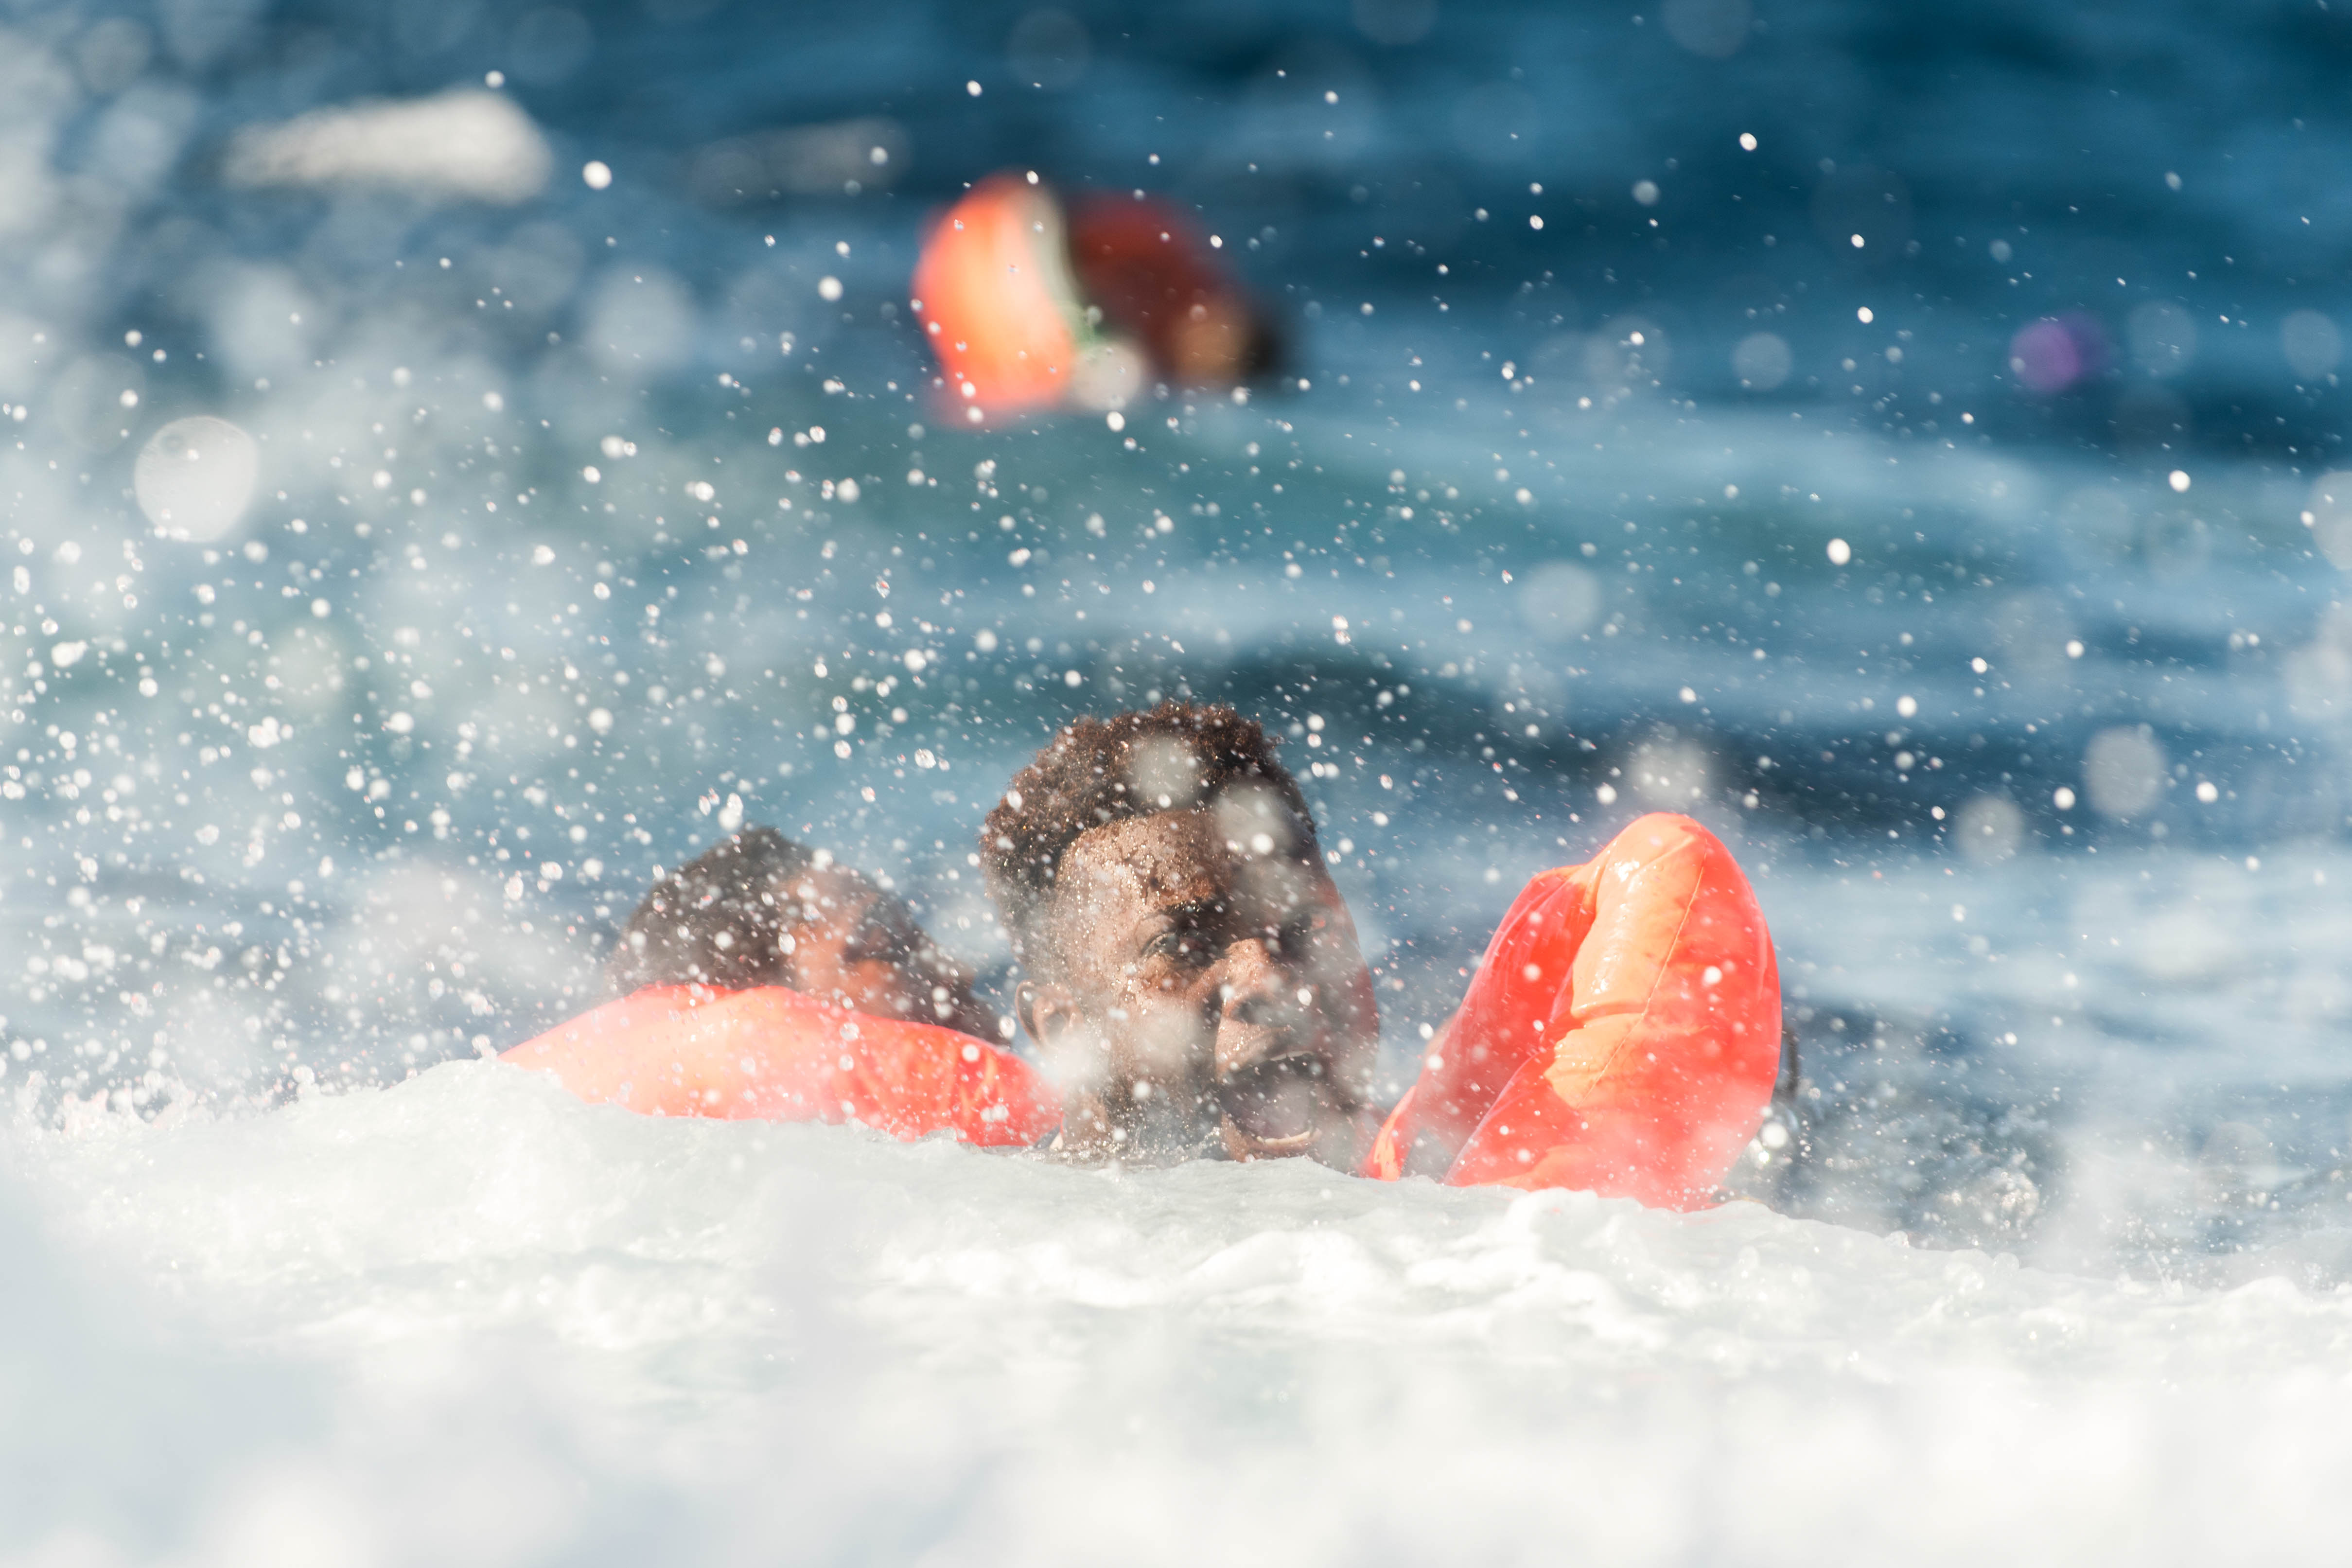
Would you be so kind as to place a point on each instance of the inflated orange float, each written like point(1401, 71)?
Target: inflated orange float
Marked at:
point(1620, 1037)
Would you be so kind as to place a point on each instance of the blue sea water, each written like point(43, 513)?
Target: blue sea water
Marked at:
point(1664, 423)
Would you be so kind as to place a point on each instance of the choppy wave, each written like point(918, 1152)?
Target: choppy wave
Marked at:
point(469, 1319)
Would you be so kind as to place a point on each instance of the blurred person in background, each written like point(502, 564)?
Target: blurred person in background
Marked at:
point(758, 909)
point(1035, 298)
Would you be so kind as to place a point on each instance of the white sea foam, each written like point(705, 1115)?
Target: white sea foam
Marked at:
point(465, 144)
point(469, 1319)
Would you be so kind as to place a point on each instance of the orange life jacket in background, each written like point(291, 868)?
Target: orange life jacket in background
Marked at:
point(1030, 301)
point(994, 292)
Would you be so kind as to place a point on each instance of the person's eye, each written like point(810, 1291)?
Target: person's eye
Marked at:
point(1176, 947)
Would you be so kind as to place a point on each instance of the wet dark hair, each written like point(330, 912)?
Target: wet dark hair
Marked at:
point(719, 919)
point(1099, 771)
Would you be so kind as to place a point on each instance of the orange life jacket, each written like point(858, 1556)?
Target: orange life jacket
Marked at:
point(775, 1055)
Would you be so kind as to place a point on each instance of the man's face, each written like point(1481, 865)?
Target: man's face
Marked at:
point(1204, 994)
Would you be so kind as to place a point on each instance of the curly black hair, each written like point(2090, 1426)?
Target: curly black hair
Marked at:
point(1099, 771)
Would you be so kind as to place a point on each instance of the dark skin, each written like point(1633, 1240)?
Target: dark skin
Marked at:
point(1197, 996)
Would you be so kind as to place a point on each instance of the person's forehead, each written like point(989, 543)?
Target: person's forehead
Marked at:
point(1167, 857)
point(839, 892)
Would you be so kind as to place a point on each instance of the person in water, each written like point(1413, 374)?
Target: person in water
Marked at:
point(1192, 977)
point(758, 909)
point(1194, 987)
point(1034, 297)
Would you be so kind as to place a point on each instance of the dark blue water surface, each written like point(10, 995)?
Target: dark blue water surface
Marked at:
point(1895, 435)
